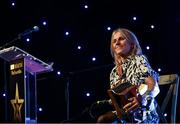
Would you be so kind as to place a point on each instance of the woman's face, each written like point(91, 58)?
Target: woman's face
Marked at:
point(120, 44)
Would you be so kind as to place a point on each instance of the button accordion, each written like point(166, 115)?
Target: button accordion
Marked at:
point(120, 95)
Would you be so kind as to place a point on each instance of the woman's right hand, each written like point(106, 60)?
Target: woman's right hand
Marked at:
point(131, 105)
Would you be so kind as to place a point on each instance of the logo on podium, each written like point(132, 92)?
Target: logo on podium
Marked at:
point(17, 104)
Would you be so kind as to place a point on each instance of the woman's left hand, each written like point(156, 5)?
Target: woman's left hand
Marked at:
point(131, 105)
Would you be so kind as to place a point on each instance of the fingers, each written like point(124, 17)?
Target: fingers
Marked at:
point(131, 99)
point(131, 107)
point(127, 105)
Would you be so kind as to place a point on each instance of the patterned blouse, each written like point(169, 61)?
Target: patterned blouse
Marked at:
point(135, 69)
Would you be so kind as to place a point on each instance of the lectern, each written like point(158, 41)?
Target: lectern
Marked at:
point(20, 84)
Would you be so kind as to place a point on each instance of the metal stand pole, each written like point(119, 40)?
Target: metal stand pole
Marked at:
point(5, 90)
point(67, 96)
point(67, 93)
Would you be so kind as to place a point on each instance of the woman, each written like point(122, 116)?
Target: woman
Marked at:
point(133, 67)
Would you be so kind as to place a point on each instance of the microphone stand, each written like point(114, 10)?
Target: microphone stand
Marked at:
point(19, 36)
point(69, 76)
point(10, 42)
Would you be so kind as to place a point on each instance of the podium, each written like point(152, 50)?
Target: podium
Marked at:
point(20, 85)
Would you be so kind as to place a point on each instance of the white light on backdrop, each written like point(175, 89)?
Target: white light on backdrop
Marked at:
point(4, 94)
point(40, 109)
point(152, 26)
point(44, 23)
point(58, 73)
point(13, 4)
point(85, 6)
point(93, 59)
point(159, 69)
point(108, 28)
point(66, 33)
point(27, 39)
point(87, 94)
point(134, 18)
point(147, 47)
point(79, 47)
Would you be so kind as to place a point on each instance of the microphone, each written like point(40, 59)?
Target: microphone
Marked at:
point(29, 31)
point(36, 28)
point(26, 32)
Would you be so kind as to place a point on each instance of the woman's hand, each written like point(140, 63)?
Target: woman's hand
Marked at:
point(131, 105)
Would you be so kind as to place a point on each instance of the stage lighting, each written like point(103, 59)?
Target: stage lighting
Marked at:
point(152, 26)
point(44, 23)
point(85, 6)
point(4, 94)
point(27, 39)
point(40, 109)
point(159, 70)
point(134, 18)
point(13, 4)
point(93, 59)
point(147, 47)
point(58, 73)
point(67, 33)
point(87, 94)
point(79, 47)
point(108, 28)
point(165, 114)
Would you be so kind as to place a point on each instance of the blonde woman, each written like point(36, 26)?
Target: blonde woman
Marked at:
point(132, 67)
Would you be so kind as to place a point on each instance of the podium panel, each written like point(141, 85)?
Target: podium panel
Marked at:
point(16, 91)
point(20, 71)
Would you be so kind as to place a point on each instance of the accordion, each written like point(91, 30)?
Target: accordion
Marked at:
point(120, 95)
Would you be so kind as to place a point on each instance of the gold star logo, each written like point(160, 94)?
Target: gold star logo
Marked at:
point(17, 105)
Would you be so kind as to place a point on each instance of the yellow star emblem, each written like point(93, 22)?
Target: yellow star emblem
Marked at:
point(17, 105)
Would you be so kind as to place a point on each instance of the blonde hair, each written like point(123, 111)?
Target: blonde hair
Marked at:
point(130, 37)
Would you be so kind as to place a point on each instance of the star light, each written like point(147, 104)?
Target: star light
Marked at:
point(85, 6)
point(40, 109)
point(159, 69)
point(134, 18)
point(66, 33)
point(87, 94)
point(79, 47)
point(13, 4)
point(4, 94)
point(58, 73)
point(152, 26)
point(27, 39)
point(108, 28)
point(93, 59)
point(165, 114)
point(147, 47)
point(44, 23)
